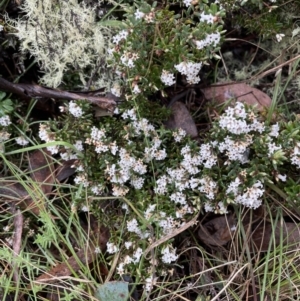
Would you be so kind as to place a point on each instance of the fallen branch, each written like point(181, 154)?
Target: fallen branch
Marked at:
point(35, 91)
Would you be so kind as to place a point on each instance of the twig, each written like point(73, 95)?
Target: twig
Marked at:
point(18, 227)
point(172, 234)
point(35, 91)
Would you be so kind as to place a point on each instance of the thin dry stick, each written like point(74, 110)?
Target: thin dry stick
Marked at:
point(273, 70)
point(17, 241)
point(172, 234)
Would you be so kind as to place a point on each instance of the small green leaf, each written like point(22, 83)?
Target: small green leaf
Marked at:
point(112, 23)
point(2, 95)
point(113, 291)
point(7, 106)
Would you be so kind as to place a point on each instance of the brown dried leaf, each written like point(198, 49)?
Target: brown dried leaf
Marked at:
point(264, 235)
point(41, 166)
point(65, 170)
point(181, 118)
point(43, 173)
point(74, 263)
point(240, 91)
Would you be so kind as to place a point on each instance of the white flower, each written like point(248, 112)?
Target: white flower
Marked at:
point(275, 130)
point(128, 59)
point(75, 110)
point(128, 244)
point(132, 226)
point(207, 18)
point(62, 109)
point(221, 209)
point(116, 90)
point(149, 283)
point(187, 3)
point(97, 189)
point(161, 185)
point(208, 207)
point(233, 187)
point(128, 259)
point(235, 150)
point(168, 255)
point(125, 207)
point(295, 155)
point(190, 70)
point(85, 208)
point(148, 212)
point(78, 145)
point(279, 36)
point(122, 35)
point(178, 197)
point(137, 182)
point(167, 78)
point(136, 90)
point(138, 14)
point(160, 154)
point(119, 191)
point(68, 155)
point(179, 134)
point(208, 187)
point(137, 255)
point(251, 198)
point(4, 136)
point(111, 248)
point(211, 39)
point(97, 250)
point(97, 134)
point(272, 148)
point(130, 114)
point(113, 147)
point(282, 177)
point(257, 126)
point(81, 179)
point(120, 268)
point(5, 120)
point(53, 149)
point(21, 140)
point(116, 111)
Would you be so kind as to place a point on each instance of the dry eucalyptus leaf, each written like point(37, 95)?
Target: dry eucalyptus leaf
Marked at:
point(43, 174)
point(41, 166)
point(181, 118)
point(240, 92)
point(74, 263)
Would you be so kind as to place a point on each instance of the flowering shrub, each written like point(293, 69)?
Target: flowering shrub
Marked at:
point(158, 179)
point(163, 178)
point(157, 43)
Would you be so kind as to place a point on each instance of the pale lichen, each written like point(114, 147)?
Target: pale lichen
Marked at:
point(64, 37)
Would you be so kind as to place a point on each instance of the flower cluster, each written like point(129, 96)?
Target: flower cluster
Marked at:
point(4, 134)
point(75, 109)
point(142, 42)
point(5, 120)
point(47, 135)
point(190, 70)
point(211, 39)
